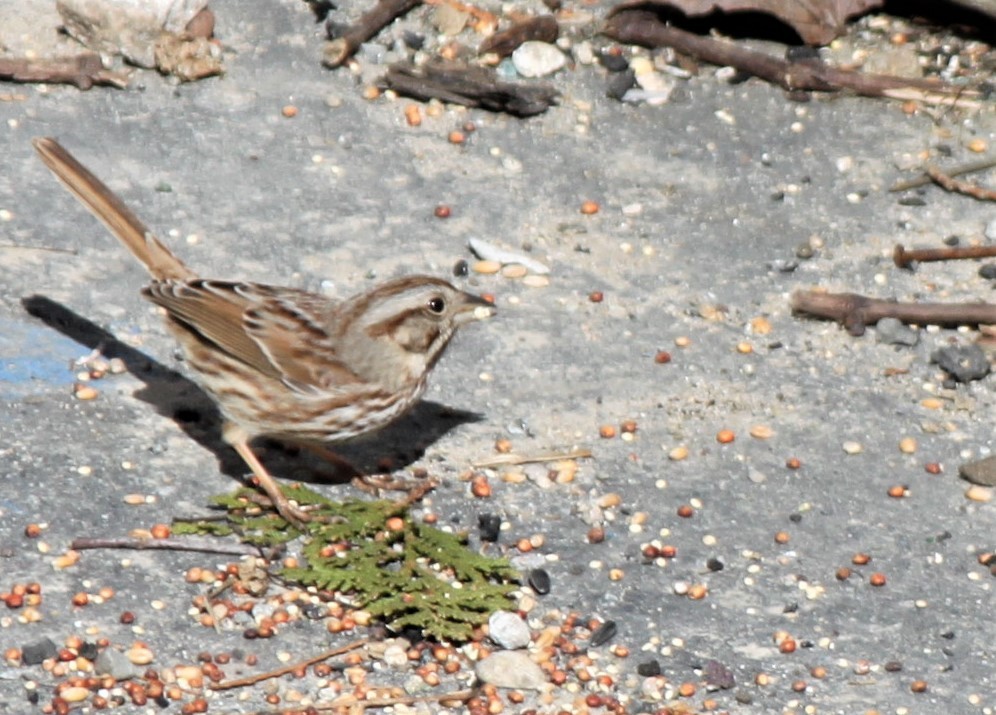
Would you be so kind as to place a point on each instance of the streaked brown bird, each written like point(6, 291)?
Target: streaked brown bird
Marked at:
point(283, 362)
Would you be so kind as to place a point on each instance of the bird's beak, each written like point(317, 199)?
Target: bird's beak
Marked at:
point(475, 308)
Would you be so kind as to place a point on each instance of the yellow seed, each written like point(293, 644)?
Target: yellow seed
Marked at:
point(514, 270)
point(979, 493)
point(84, 392)
point(745, 348)
point(678, 453)
point(761, 432)
point(907, 445)
point(760, 326)
point(607, 501)
point(487, 267)
point(140, 656)
point(977, 145)
point(74, 694)
point(932, 403)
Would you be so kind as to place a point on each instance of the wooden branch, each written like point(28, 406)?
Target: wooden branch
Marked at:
point(924, 179)
point(259, 677)
point(543, 29)
point(469, 86)
point(640, 27)
point(949, 183)
point(373, 21)
point(83, 71)
point(165, 545)
point(905, 257)
point(855, 312)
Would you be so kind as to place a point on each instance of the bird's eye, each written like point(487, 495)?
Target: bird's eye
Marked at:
point(437, 305)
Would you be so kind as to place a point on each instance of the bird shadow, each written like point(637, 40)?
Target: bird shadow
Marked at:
point(175, 396)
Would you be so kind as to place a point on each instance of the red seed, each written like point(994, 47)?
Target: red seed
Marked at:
point(443, 211)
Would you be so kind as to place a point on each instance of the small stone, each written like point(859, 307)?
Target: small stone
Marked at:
point(619, 84)
point(649, 669)
point(613, 62)
point(981, 472)
point(35, 653)
point(964, 363)
point(511, 669)
point(537, 59)
point(508, 630)
point(891, 331)
point(604, 633)
point(539, 581)
point(449, 20)
point(113, 663)
point(990, 230)
point(988, 270)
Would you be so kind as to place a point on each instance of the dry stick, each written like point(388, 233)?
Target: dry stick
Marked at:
point(373, 21)
point(505, 459)
point(52, 249)
point(925, 179)
point(855, 312)
point(260, 677)
point(456, 696)
point(962, 187)
point(905, 257)
point(644, 28)
point(164, 544)
point(83, 70)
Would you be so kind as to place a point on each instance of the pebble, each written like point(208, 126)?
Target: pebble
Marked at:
point(891, 331)
point(964, 363)
point(604, 633)
point(511, 669)
point(990, 230)
point(539, 581)
point(508, 630)
point(35, 653)
point(537, 59)
point(449, 20)
point(981, 472)
point(113, 663)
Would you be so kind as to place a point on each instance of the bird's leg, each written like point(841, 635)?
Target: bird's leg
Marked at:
point(369, 483)
point(239, 441)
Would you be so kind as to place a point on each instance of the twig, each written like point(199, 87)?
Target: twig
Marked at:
point(905, 257)
point(373, 21)
point(855, 312)
point(645, 28)
point(260, 677)
point(456, 696)
point(925, 179)
point(458, 83)
point(505, 459)
point(164, 544)
point(945, 181)
point(543, 29)
point(83, 70)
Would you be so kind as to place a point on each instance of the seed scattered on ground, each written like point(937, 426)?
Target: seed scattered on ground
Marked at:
point(685, 511)
point(486, 267)
point(877, 579)
point(662, 357)
point(907, 445)
point(725, 436)
point(979, 493)
point(852, 447)
point(793, 463)
point(898, 491)
point(860, 559)
point(679, 453)
point(919, 686)
point(606, 431)
point(444, 211)
point(589, 207)
point(933, 467)
point(762, 432)
point(413, 115)
point(289, 111)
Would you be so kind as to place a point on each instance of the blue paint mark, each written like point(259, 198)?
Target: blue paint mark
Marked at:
point(34, 358)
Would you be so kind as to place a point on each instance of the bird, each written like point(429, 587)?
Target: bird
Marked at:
point(281, 362)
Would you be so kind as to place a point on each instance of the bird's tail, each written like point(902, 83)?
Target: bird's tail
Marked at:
point(105, 205)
